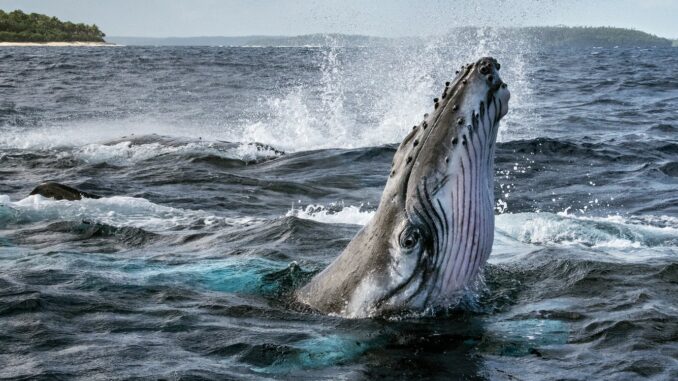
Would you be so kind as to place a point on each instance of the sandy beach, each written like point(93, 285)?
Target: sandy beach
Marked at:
point(75, 43)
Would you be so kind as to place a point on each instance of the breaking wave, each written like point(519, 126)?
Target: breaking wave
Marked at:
point(540, 229)
point(118, 211)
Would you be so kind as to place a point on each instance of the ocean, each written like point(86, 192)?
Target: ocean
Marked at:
point(230, 175)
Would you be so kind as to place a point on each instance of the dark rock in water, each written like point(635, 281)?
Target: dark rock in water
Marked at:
point(670, 169)
point(61, 192)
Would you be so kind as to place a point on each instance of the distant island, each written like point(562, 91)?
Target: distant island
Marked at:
point(563, 36)
point(545, 37)
point(20, 27)
point(17, 27)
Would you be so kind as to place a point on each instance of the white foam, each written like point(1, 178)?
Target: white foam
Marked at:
point(121, 153)
point(83, 133)
point(353, 215)
point(540, 229)
point(124, 153)
point(600, 232)
point(115, 211)
point(88, 142)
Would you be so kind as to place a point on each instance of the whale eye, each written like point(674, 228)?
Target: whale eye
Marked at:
point(409, 238)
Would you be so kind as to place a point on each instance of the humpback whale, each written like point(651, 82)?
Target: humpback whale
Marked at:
point(434, 226)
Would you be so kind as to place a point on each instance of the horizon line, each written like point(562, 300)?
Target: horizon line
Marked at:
point(393, 37)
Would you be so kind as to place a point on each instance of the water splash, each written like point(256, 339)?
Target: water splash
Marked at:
point(369, 97)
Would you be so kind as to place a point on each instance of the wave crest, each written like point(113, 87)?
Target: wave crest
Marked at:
point(541, 229)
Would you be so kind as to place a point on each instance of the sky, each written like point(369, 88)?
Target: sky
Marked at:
point(388, 18)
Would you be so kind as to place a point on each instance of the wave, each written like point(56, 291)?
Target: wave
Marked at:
point(97, 148)
point(625, 150)
point(127, 153)
point(540, 229)
point(117, 211)
point(598, 232)
point(83, 232)
point(137, 148)
point(334, 214)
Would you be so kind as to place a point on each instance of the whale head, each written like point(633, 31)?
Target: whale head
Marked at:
point(433, 229)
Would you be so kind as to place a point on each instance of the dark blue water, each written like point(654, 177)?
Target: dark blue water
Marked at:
point(184, 269)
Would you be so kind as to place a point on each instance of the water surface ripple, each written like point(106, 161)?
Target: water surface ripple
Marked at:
point(230, 175)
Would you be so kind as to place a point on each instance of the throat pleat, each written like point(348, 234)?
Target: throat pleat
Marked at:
point(471, 224)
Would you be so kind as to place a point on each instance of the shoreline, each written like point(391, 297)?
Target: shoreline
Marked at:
point(70, 43)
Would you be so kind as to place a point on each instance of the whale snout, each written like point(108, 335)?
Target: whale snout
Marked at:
point(486, 70)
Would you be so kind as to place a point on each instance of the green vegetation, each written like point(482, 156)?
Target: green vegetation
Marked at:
point(556, 37)
point(17, 26)
point(562, 36)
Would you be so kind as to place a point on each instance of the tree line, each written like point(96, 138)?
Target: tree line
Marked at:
point(561, 36)
point(17, 26)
